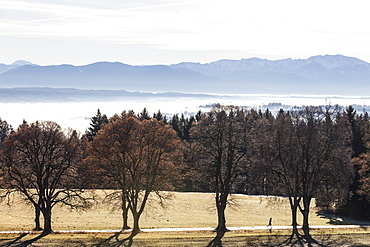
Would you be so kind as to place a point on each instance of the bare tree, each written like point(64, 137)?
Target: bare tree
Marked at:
point(154, 164)
point(41, 163)
point(107, 156)
point(311, 156)
point(140, 158)
point(309, 153)
point(279, 154)
point(219, 143)
point(324, 152)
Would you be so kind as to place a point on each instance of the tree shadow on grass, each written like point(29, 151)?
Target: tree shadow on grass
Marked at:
point(17, 242)
point(114, 241)
point(4, 242)
point(301, 240)
point(216, 242)
point(341, 220)
point(278, 240)
point(333, 219)
point(325, 240)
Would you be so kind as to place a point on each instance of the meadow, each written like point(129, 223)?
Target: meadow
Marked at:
point(183, 210)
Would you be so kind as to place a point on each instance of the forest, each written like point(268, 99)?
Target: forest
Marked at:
point(316, 154)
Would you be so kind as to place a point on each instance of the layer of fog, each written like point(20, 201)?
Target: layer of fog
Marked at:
point(77, 115)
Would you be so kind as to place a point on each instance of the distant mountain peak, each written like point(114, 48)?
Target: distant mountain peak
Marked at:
point(334, 61)
point(323, 74)
point(21, 63)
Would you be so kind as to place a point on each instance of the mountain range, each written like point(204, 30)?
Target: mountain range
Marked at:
point(328, 74)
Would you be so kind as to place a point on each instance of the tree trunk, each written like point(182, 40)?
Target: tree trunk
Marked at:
point(47, 221)
point(37, 215)
point(125, 210)
point(294, 203)
point(221, 227)
point(125, 218)
point(305, 227)
point(221, 206)
point(294, 220)
point(305, 212)
point(37, 219)
point(136, 228)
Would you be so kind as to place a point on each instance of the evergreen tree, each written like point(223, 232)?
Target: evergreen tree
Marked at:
point(358, 206)
point(182, 125)
point(144, 115)
point(184, 128)
point(198, 116)
point(96, 124)
point(175, 123)
point(5, 130)
point(357, 125)
point(267, 114)
point(160, 117)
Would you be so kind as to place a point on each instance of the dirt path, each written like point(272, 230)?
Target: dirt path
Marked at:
point(247, 228)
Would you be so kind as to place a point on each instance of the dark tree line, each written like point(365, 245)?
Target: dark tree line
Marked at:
point(317, 153)
point(358, 205)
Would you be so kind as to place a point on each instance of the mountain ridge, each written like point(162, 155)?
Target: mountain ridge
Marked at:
point(322, 74)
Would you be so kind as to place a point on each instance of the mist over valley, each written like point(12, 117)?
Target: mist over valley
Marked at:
point(71, 95)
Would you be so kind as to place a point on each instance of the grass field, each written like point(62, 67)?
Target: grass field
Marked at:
point(183, 210)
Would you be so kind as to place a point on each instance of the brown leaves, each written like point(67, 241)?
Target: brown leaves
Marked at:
point(134, 151)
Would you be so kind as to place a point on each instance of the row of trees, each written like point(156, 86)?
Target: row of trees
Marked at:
point(302, 155)
point(49, 166)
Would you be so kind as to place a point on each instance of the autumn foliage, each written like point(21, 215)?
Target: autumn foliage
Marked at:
point(137, 158)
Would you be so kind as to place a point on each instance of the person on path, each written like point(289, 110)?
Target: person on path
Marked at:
point(269, 226)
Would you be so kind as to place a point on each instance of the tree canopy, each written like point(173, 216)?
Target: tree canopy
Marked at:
point(138, 158)
point(40, 162)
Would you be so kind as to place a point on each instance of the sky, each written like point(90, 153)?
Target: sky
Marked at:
point(145, 32)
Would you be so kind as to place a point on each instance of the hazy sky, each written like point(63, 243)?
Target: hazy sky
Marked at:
point(170, 31)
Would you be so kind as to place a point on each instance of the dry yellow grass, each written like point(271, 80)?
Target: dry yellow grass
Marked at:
point(183, 210)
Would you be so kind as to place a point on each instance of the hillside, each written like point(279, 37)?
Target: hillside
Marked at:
point(46, 94)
